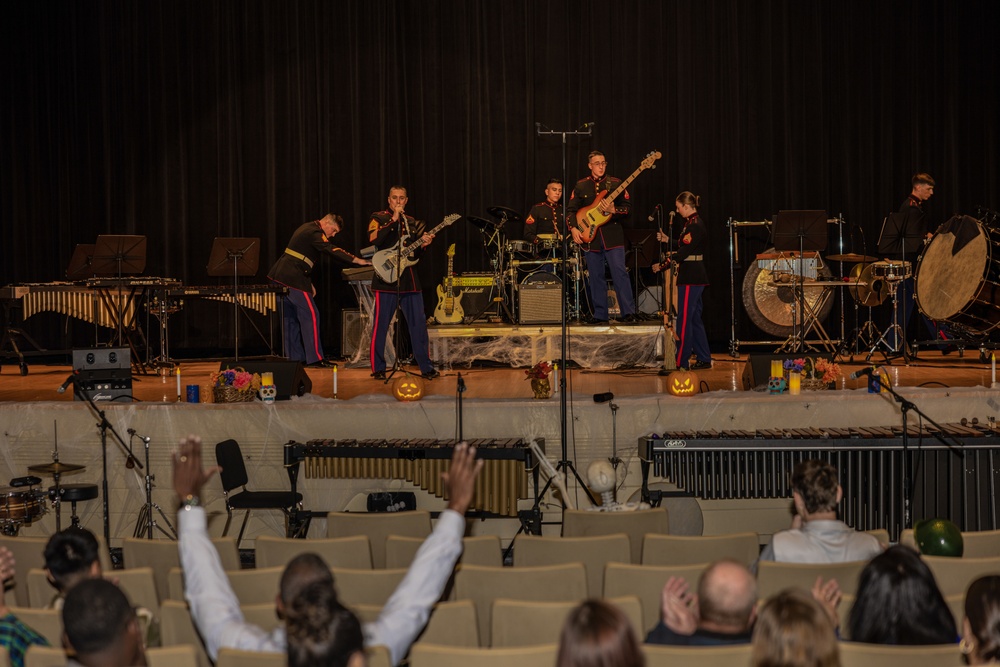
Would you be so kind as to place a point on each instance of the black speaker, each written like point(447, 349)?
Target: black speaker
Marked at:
point(758, 367)
point(290, 377)
point(105, 373)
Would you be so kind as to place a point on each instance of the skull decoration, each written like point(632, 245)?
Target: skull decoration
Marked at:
point(682, 383)
point(776, 385)
point(408, 388)
point(268, 393)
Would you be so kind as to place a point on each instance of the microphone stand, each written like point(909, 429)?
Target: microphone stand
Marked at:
point(460, 389)
point(146, 513)
point(403, 232)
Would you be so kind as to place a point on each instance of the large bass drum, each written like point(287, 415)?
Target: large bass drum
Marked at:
point(958, 276)
point(769, 303)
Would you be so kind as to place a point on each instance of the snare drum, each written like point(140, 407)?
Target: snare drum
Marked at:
point(21, 506)
point(549, 242)
point(958, 278)
point(892, 271)
point(519, 247)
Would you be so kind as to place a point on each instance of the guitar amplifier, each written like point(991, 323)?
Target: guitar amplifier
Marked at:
point(352, 328)
point(104, 373)
point(540, 299)
point(476, 290)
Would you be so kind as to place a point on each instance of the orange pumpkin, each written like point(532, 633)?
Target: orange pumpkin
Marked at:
point(408, 388)
point(683, 383)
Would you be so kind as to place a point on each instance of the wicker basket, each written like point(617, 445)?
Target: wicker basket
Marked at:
point(230, 394)
point(814, 384)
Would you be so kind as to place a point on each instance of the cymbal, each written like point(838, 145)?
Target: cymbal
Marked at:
point(55, 468)
point(852, 258)
point(503, 213)
point(482, 224)
point(865, 287)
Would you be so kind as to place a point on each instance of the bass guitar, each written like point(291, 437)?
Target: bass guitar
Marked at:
point(389, 262)
point(590, 218)
point(449, 306)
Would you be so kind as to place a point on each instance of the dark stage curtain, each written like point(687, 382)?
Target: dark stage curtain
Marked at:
point(184, 120)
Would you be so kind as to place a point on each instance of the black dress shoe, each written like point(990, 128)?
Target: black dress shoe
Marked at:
point(379, 375)
point(322, 363)
point(700, 365)
point(431, 374)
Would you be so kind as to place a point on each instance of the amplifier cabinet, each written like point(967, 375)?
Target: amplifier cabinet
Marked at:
point(540, 300)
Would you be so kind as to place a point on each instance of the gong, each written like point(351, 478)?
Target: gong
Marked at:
point(769, 303)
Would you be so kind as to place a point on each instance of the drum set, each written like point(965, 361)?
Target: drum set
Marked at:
point(527, 275)
point(21, 503)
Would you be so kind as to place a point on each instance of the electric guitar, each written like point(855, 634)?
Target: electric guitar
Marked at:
point(389, 262)
point(449, 305)
point(590, 218)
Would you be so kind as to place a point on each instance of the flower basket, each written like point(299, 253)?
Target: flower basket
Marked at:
point(230, 394)
point(813, 384)
point(817, 374)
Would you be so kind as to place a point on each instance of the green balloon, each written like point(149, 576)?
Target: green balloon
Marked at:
point(938, 537)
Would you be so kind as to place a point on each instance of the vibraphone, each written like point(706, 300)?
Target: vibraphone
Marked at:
point(958, 484)
point(501, 483)
point(79, 301)
point(261, 298)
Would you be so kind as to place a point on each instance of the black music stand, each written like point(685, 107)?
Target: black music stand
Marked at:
point(234, 256)
point(82, 262)
point(902, 236)
point(117, 256)
point(802, 232)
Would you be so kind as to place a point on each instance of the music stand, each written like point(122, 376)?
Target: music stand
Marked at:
point(116, 256)
point(234, 256)
point(640, 242)
point(802, 232)
point(81, 263)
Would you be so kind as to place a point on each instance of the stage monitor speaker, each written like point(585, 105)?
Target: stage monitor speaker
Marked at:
point(290, 378)
point(757, 369)
point(649, 300)
point(105, 373)
point(352, 328)
point(540, 299)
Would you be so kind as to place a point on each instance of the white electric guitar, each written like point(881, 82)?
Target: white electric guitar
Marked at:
point(389, 262)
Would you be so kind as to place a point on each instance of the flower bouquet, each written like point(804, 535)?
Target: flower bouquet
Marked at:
point(235, 385)
point(817, 374)
point(539, 376)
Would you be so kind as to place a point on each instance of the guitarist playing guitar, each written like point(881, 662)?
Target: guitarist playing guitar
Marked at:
point(385, 230)
point(604, 242)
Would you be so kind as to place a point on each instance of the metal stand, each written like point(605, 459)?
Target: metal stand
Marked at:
point(243, 255)
point(145, 521)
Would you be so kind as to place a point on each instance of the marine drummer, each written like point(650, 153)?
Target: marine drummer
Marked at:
point(543, 215)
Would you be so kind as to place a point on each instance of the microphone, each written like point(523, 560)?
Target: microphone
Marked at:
point(604, 397)
point(589, 125)
point(672, 213)
point(652, 216)
point(70, 380)
point(863, 371)
point(130, 431)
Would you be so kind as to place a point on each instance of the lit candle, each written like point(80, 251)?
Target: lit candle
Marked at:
point(993, 365)
point(267, 379)
point(776, 370)
point(555, 378)
point(335, 380)
point(794, 383)
point(177, 372)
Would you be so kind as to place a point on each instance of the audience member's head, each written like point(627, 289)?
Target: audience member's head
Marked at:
point(793, 630)
point(981, 628)
point(301, 572)
point(898, 602)
point(100, 625)
point(815, 487)
point(727, 597)
point(321, 631)
point(71, 557)
point(598, 634)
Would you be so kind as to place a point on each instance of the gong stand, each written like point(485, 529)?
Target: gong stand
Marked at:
point(800, 231)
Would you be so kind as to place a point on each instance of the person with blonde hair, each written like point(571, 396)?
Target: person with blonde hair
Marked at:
point(794, 630)
point(598, 634)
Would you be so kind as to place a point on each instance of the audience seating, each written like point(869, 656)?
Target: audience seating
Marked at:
point(377, 526)
point(40, 592)
point(774, 577)
point(906, 538)
point(262, 614)
point(183, 655)
point(29, 552)
point(44, 656)
point(674, 550)
point(234, 478)
point(139, 587)
point(4, 657)
point(177, 628)
point(696, 656)
point(429, 655)
point(231, 657)
point(452, 624)
point(954, 575)
point(256, 586)
point(347, 552)
point(373, 587)
point(175, 584)
point(956, 603)
point(483, 585)
point(162, 556)
point(523, 623)
point(981, 543)
point(880, 534)
point(46, 622)
point(853, 654)
point(646, 582)
point(594, 552)
point(478, 550)
point(378, 656)
point(583, 523)
point(366, 613)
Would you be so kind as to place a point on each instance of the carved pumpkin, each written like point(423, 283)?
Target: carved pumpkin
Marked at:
point(683, 383)
point(408, 388)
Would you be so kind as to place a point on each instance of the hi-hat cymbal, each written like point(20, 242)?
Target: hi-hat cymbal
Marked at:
point(852, 258)
point(504, 214)
point(55, 468)
point(482, 224)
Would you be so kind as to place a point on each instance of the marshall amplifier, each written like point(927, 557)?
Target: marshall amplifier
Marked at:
point(540, 299)
point(103, 373)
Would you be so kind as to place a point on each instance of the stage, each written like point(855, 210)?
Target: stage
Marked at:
point(497, 403)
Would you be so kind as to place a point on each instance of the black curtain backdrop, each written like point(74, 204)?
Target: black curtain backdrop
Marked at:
point(184, 121)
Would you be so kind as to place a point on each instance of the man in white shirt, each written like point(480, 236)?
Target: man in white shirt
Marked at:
point(816, 535)
point(215, 608)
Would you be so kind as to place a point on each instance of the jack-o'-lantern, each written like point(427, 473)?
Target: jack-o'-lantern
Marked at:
point(408, 388)
point(682, 383)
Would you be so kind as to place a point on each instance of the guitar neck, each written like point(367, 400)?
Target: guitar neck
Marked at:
point(621, 188)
